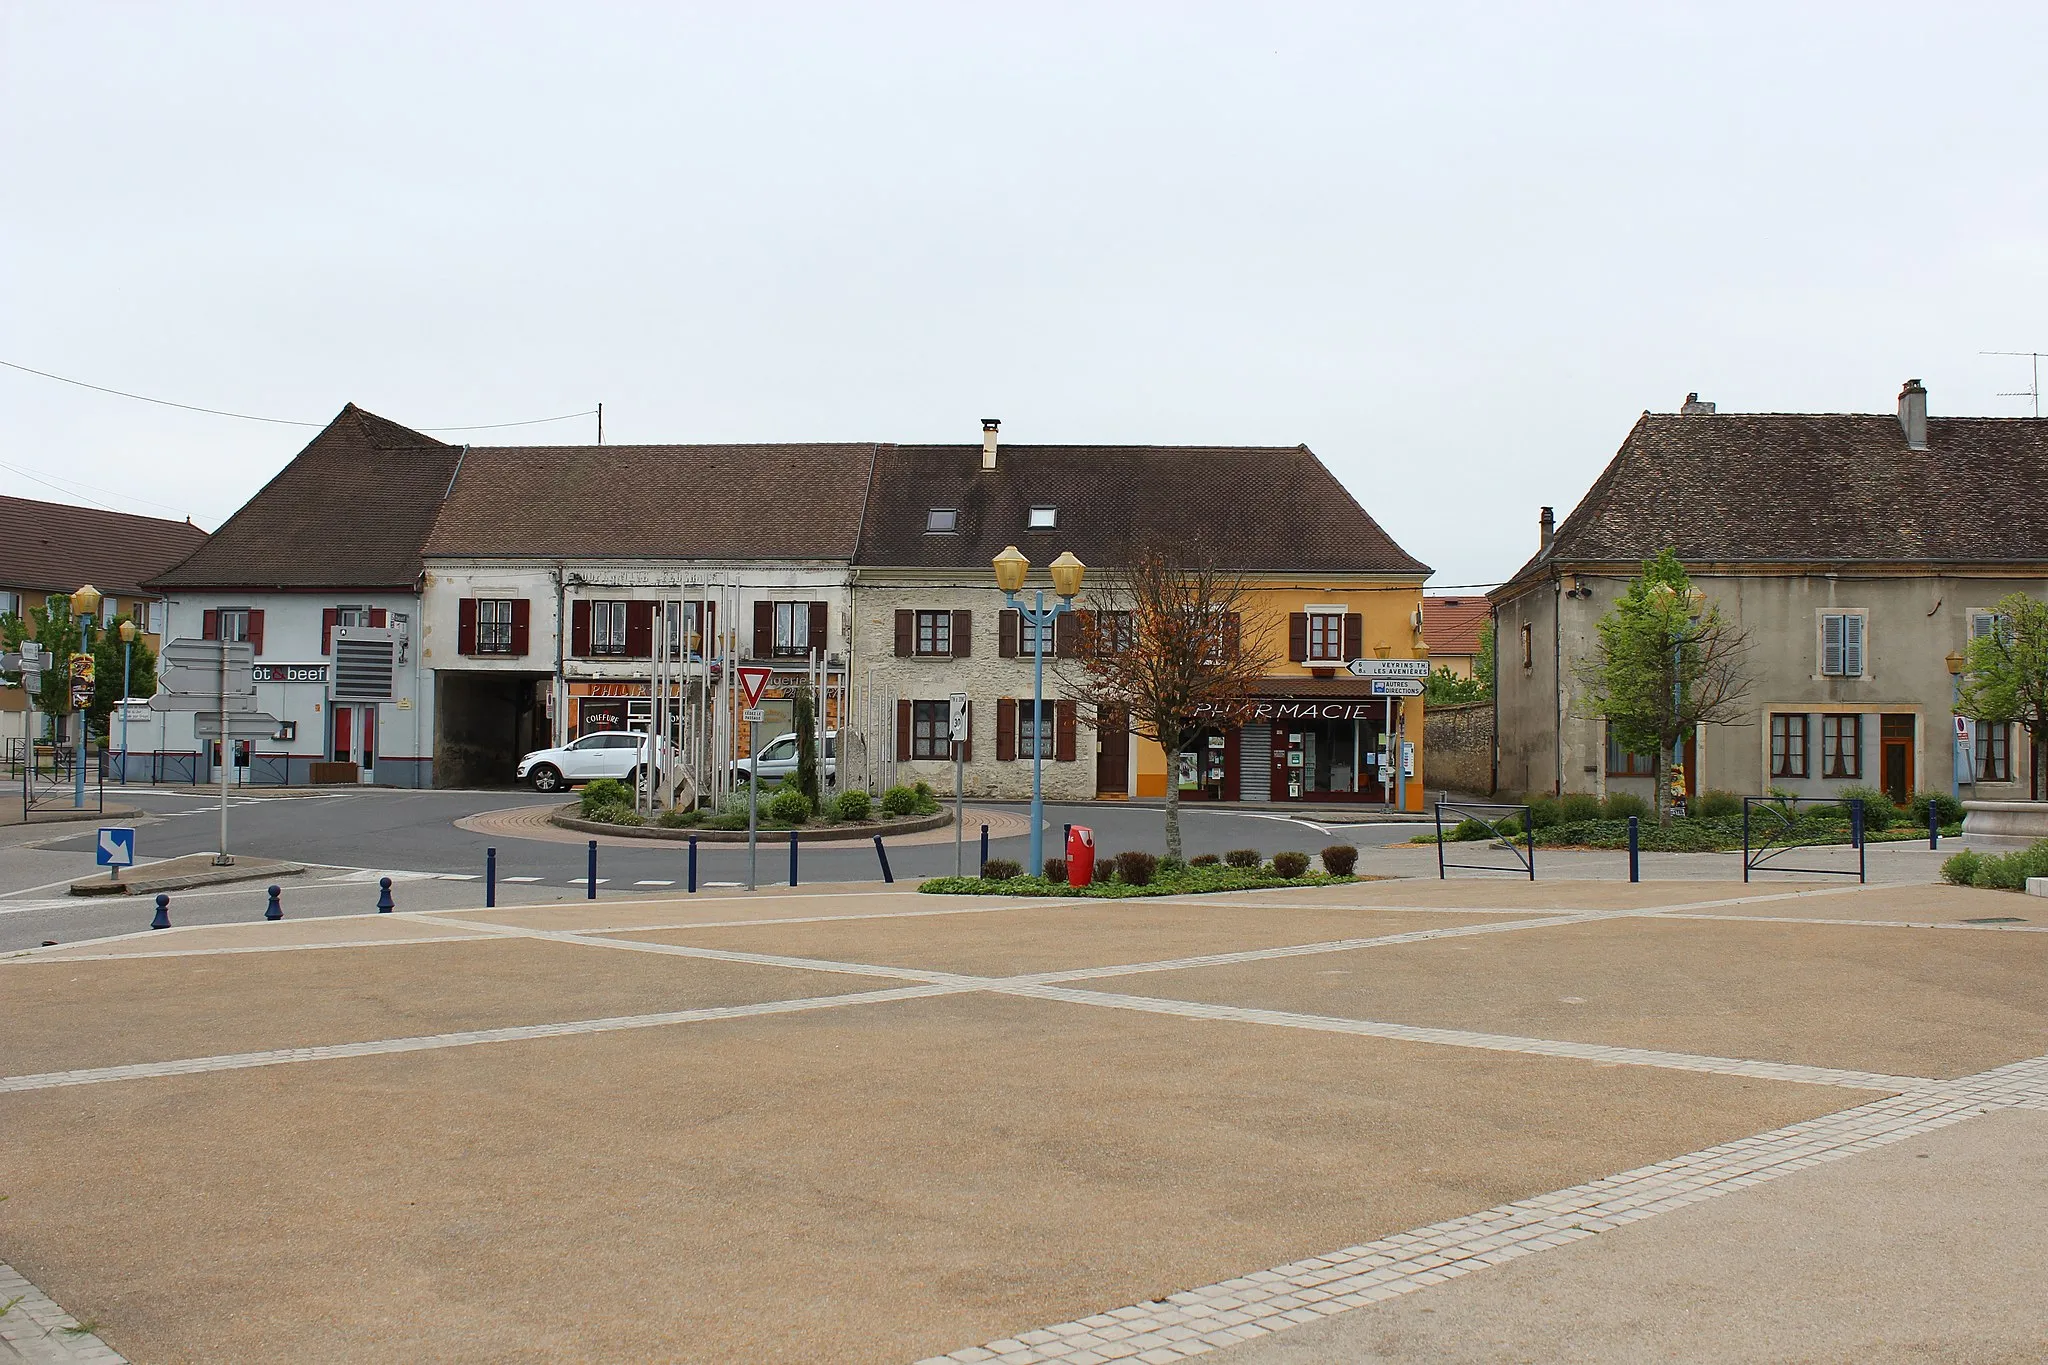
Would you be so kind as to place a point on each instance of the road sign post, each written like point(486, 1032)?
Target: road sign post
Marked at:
point(115, 850)
point(217, 676)
point(1388, 668)
point(753, 682)
point(957, 732)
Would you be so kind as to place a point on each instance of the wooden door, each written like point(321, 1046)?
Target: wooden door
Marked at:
point(1896, 758)
point(1112, 752)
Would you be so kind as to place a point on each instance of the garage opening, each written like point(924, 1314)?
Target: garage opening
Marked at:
point(483, 722)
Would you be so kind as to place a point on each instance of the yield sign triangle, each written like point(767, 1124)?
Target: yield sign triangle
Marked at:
point(754, 681)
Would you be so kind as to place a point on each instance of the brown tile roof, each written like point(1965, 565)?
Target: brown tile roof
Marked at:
point(350, 511)
point(48, 547)
point(1270, 508)
point(1821, 488)
point(1451, 625)
point(799, 501)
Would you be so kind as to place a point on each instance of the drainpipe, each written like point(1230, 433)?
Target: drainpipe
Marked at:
point(561, 633)
point(1493, 749)
point(1556, 672)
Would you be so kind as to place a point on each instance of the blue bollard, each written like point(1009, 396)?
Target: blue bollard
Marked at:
point(1635, 867)
point(385, 905)
point(490, 878)
point(792, 857)
point(883, 854)
point(591, 878)
point(163, 912)
point(693, 862)
point(1933, 825)
point(984, 853)
point(274, 910)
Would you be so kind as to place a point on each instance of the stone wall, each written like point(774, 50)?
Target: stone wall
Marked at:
point(1459, 741)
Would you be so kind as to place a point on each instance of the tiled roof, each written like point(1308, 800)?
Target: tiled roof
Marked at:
point(1822, 488)
point(799, 501)
point(350, 511)
point(1451, 625)
point(48, 547)
point(1253, 508)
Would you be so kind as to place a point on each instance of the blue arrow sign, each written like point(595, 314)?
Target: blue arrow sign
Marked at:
point(116, 847)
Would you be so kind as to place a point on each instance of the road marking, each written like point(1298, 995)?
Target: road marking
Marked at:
point(667, 883)
point(519, 879)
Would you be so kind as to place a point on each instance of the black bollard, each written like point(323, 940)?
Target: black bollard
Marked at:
point(693, 862)
point(163, 912)
point(883, 854)
point(385, 905)
point(592, 894)
point(984, 852)
point(1635, 866)
point(490, 878)
point(1933, 825)
point(274, 910)
point(792, 857)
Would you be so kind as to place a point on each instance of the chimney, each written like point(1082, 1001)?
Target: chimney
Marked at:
point(988, 441)
point(1913, 414)
point(1548, 521)
point(1694, 407)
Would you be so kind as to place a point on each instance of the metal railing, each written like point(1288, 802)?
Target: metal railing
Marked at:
point(1524, 854)
point(1775, 818)
point(54, 785)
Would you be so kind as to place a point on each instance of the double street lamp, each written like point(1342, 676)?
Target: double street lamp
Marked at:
point(1011, 567)
point(84, 603)
point(127, 672)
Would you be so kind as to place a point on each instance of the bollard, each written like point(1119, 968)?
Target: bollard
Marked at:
point(883, 854)
point(274, 910)
point(163, 912)
point(1933, 825)
point(591, 894)
point(984, 853)
point(792, 857)
point(385, 904)
point(1635, 866)
point(693, 862)
point(490, 878)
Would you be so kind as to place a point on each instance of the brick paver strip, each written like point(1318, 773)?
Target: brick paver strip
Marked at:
point(37, 1331)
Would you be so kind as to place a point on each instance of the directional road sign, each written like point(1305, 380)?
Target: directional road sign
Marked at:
point(1388, 668)
point(753, 682)
point(116, 847)
point(1397, 687)
point(241, 725)
point(958, 729)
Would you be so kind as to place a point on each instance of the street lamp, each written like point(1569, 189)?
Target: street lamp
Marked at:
point(1011, 567)
point(84, 603)
point(127, 666)
point(1957, 661)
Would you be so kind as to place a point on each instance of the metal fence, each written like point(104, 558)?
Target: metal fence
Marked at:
point(49, 780)
point(1492, 815)
point(1771, 832)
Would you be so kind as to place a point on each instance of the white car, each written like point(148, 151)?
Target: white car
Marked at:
point(616, 754)
point(778, 759)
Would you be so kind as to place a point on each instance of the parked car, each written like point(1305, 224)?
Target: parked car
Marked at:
point(609, 753)
point(778, 759)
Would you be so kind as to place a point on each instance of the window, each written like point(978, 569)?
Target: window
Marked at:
point(931, 729)
point(1326, 635)
point(942, 521)
point(1985, 623)
point(1621, 763)
point(234, 624)
point(934, 633)
point(1994, 752)
point(494, 625)
point(1528, 648)
point(1788, 745)
point(351, 616)
point(156, 618)
point(1841, 644)
point(607, 627)
point(1045, 722)
point(1841, 746)
point(1027, 637)
point(687, 627)
point(1044, 518)
point(1115, 632)
point(781, 751)
point(792, 627)
point(10, 604)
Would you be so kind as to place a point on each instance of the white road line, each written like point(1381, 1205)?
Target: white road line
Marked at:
point(519, 879)
point(655, 883)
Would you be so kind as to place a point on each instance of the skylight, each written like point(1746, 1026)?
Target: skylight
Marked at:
point(942, 520)
point(1044, 518)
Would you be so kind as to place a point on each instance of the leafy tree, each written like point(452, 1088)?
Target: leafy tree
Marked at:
point(1667, 661)
point(53, 626)
point(804, 714)
point(2005, 677)
point(106, 650)
point(1483, 661)
point(1445, 688)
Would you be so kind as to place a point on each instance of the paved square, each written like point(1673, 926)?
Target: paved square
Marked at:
point(883, 1127)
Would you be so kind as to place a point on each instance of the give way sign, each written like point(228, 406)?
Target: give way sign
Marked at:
point(753, 682)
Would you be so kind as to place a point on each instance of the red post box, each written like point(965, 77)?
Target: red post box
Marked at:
point(1080, 856)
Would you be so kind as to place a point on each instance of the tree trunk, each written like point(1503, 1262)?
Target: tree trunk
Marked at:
point(1657, 796)
point(1173, 804)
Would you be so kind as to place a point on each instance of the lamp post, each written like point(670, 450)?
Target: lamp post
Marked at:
point(127, 669)
point(1011, 567)
point(1956, 662)
point(84, 603)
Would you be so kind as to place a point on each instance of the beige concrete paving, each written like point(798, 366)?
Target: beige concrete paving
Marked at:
point(1937, 904)
point(1898, 1001)
point(848, 1186)
point(1924, 1252)
point(61, 1016)
point(848, 900)
point(336, 929)
point(1497, 893)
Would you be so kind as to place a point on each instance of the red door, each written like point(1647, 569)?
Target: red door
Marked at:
point(341, 733)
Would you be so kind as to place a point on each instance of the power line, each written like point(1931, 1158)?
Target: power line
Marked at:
point(44, 479)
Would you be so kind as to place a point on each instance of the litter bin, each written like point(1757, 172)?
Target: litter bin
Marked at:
point(1080, 856)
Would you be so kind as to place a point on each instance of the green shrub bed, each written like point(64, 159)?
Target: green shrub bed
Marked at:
point(1997, 871)
point(1178, 882)
point(1695, 834)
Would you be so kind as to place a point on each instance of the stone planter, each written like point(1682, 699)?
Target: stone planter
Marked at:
point(2018, 821)
point(567, 818)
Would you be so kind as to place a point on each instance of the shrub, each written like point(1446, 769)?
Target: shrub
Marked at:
point(1001, 869)
point(899, 801)
point(1579, 807)
point(1290, 863)
point(1204, 860)
point(789, 806)
point(1621, 805)
point(1339, 859)
point(1173, 865)
point(1950, 809)
point(617, 813)
point(1544, 811)
point(1714, 805)
point(1962, 869)
point(679, 818)
point(1468, 829)
point(853, 805)
point(1878, 810)
point(2006, 871)
point(726, 820)
point(1136, 867)
point(605, 792)
point(1243, 857)
point(924, 800)
point(1056, 869)
point(1105, 868)
point(1510, 828)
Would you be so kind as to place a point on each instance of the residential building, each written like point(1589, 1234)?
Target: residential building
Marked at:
point(1453, 626)
point(1855, 553)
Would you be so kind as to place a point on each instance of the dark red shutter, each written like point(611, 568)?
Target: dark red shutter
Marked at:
point(902, 731)
point(764, 629)
point(1063, 732)
point(963, 634)
point(579, 629)
point(1354, 635)
point(209, 625)
point(1065, 635)
point(1297, 636)
point(640, 630)
point(707, 629)
point(465, 626)
point(256, 632)
point(1006, 727)
point(378, 620)
point(906, 634)
point(522, 625)
point(1009, 626)
point(327, 620)
point(819, 628)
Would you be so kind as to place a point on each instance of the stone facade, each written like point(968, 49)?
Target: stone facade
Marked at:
point(1459, 740)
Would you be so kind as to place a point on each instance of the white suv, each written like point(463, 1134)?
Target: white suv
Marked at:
point(615, 754)
point(778, 759)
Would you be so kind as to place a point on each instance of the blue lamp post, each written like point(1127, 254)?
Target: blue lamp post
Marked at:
point(127, 673)
point(1011, 567)
point(84, 603)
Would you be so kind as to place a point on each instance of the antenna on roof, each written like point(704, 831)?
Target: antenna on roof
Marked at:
point(600, 424)
point(2034, 392)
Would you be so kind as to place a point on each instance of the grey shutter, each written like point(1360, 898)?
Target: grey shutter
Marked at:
point(1831, 645)
point(1852, 646)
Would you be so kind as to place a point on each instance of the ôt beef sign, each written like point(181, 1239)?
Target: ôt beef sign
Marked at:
point(1294, 710)
point(299, 673)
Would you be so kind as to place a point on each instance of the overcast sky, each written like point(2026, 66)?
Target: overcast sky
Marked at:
point(1456, 250)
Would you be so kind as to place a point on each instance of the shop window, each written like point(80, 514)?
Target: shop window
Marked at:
point(931, 729)
point(1788, 745)
point(1326, 636)
point(942, 521)
point(1994, 752)
point(607, 627)
point(935, 633)
point(1841, 644)
point(1622, 763)
point(494, 625)
point(1841, 746)
point(792, 628)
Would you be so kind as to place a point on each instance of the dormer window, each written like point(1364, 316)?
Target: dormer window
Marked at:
point(942, 521)
point(1044, 518)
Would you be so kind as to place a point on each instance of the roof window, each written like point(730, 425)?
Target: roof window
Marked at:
point(1044, 518)
point(942, 521)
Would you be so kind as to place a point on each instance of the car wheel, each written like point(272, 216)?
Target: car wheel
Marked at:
point(547, 778)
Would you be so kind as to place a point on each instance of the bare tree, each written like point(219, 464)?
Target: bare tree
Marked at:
point(1173, 644)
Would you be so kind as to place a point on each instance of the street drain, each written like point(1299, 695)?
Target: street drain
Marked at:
point(1997, 919)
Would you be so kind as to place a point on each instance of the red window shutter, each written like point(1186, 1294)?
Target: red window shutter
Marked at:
point(256, 632)
point(819, 628)
point(465, 626)
point(1297, 636)
point(902, 731)
point(967, 740)
point(522, 625)
point(1009, 626)
point(378, 620)
point(327, 620)
point(963, 634)
point(1354, 635)
point(640, 630)
point(579, 629)
point(906, 633)
point(1065, 635)
point(707, 628)
point(209, 625)
point(764, 629)
point(1063, 732)
point(1006, 727)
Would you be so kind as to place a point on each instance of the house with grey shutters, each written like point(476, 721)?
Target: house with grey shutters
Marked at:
point(1859, 553)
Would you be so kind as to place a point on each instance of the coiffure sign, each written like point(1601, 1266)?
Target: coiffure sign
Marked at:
point(1295, 710)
